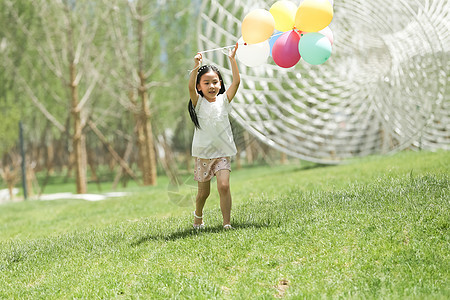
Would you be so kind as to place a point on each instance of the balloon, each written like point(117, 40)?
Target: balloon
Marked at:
point(273, 39)
point(257, 26)
point(285, 50)
point(313, 15)
point(315, 48)
point(253, 55)
point(331, 2)
point(328, 33)
point(284, 14)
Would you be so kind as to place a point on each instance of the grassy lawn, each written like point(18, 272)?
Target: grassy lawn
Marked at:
point(373, 228)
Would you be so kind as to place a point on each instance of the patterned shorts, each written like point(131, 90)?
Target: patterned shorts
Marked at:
point(205, 169)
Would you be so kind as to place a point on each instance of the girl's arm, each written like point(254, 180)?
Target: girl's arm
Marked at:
point(236, 77)
point(193, 79)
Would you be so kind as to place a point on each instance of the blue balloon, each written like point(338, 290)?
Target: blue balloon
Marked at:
point(273, 39)
point(315, 48)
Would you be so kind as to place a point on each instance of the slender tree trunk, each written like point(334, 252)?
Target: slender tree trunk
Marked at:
point(78, 138)
point(29, 178)
point(145, 134)
point(238, 161)
point(146, 150)
point(10, 173)
point(146, 140)
point(283, 158)
point(50, 157)
point(92, 163)
point(126, 156)
point(248, 148)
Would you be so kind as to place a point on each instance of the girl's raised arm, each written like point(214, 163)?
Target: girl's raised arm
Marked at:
point(193, 79)
point(236, 77)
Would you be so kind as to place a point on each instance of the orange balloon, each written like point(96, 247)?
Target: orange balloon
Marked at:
point(257, 26)
point(313, 15)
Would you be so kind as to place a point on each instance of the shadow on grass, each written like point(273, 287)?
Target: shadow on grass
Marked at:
point(190, 232)
point(313, 166)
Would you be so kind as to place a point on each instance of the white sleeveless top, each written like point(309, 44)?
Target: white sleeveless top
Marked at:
point(214, 138)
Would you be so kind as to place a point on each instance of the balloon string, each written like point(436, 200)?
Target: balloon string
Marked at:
point(227, 47)
point(216, 49)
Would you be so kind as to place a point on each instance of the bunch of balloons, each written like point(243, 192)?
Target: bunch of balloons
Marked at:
point(287, 33)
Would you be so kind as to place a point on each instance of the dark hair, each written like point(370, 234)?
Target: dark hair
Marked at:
point(203, 70)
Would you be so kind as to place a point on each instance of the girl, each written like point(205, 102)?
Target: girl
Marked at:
point(213, 143)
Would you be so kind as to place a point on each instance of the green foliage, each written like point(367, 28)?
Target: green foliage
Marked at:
point(34, 39)
point(9, 125)
point(375, 228)
point(11, 104)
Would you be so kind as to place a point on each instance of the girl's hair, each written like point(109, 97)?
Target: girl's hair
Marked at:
point(203, 70)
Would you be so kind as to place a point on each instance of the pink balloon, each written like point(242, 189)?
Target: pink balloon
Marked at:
point(328, 33)
point(285, 50)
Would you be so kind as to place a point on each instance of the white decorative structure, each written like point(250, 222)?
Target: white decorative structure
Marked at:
point(384, 88)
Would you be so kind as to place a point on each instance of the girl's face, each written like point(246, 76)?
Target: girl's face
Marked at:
point(209, 85)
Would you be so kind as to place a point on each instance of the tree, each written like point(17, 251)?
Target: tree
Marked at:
point(79, 62)
point(71, 56)
point(143, 50)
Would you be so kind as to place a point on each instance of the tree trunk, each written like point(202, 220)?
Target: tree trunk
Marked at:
point(29, 178)
point(248, 148)
point(238, 161)
point(145, 141)
point(145, 138)
point(92, 164)
point(283, 158)
point(78, 138)
point(126, 156)
point(10, 173)
point(50, 157)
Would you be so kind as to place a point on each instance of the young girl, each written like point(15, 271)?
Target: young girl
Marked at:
point(213, 143)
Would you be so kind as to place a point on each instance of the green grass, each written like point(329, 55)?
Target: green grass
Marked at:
point(374, 228)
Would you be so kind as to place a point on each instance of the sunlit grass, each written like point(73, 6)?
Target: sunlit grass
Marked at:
point(374, 228)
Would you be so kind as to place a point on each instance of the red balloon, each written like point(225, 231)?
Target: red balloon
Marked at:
point(285, 50)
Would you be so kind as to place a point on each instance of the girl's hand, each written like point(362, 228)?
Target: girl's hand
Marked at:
point(231, 92)
point(232, 53)
point(198, 59)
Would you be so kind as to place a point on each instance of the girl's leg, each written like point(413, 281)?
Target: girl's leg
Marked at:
point(202, 195)
point(223, 186)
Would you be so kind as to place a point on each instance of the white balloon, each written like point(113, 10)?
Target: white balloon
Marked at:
point(253, 55)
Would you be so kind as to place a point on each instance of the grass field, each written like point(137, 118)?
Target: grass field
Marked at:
point(373, 228)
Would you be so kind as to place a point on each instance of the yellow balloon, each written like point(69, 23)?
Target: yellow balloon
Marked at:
point(284, 14)
point(257, 26)
point(313, 15)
